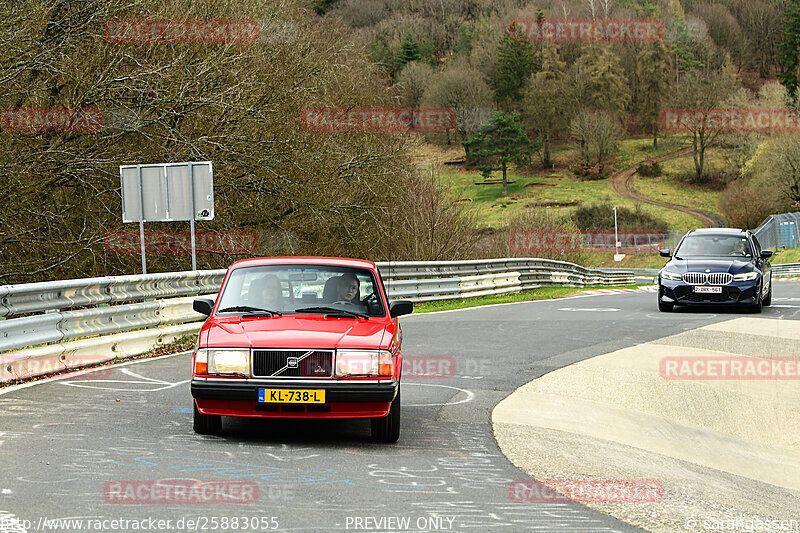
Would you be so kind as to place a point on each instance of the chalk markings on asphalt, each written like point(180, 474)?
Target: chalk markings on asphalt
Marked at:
point(606, 292)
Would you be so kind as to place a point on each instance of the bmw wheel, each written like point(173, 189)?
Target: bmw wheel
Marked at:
point(664, 307)
point(756, 307)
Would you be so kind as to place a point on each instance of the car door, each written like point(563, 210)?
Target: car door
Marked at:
point(763, 265)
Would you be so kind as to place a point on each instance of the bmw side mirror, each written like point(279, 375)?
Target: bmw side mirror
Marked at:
point(400, 307)
point(664, 252)
point(766, 254)
point(203, 305)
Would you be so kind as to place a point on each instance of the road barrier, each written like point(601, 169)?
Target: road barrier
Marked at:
point(60, 325)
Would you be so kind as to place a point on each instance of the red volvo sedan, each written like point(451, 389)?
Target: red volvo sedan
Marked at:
point(300, 337)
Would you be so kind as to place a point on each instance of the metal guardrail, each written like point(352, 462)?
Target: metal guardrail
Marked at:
point(786, 270)
point(120, 316)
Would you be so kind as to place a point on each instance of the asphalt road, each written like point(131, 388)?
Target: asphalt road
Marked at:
point(63, 442)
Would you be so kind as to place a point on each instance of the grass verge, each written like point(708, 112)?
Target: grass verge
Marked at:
point(542, 293)
point(789, 255)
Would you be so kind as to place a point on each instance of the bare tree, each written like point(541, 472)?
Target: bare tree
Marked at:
point(700, 94)
point(598, 134)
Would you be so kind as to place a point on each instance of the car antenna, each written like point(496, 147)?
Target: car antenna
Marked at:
point(388, 286)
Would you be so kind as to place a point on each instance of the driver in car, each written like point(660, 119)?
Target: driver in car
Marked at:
point(347, 289)
point(738, 249)
point(271, 292)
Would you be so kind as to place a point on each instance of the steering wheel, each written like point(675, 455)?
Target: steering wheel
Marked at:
point(343, 302)
point(371, 298)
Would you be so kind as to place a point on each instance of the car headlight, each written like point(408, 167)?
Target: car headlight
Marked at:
point(222, 361)
point(745, 276)
point(666, 274)
point(372, 363)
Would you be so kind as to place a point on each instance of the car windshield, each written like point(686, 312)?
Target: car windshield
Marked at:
point(313, 289)
point(714, 246)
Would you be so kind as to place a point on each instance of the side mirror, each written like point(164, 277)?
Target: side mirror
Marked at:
point(766, 254)
point(400, 307)
point(664, 252)
point(203, 306)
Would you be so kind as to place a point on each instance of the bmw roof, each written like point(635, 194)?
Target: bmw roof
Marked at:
point(719, 231)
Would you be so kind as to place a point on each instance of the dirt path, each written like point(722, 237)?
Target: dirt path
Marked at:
point(622, 184)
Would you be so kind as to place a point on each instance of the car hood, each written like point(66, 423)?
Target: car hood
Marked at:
point(296, 331)
point(732, 266)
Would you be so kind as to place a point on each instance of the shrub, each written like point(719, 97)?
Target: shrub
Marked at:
point(649, 170)
point(601, 216)
point(743, 205)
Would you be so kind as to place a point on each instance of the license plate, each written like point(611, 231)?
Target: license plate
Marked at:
point(707, 289)
point(291, 396)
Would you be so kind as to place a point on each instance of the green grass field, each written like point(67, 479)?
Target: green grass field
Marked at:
point(556, 189)
point(560, 192)
point(791, 255)
point(596, 260)
point(672, 187)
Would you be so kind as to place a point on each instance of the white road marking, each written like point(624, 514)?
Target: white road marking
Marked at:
point(6, 390)
point(589, 309)
point(469, 398)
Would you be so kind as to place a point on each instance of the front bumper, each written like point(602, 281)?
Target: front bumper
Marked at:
point(363, 399)
point(734, 293)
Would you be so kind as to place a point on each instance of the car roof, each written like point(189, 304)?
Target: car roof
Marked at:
point(719, 231)
point(304, 260)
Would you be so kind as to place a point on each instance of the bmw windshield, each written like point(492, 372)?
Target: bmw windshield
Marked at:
point(714, 246)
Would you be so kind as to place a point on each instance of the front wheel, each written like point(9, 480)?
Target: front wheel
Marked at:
point(387, 428)
point(663, 307)
point(756, 307)
point(206, 424)
point(768, 297)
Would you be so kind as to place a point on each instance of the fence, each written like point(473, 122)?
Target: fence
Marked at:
point(74, 323)
point(779, 231)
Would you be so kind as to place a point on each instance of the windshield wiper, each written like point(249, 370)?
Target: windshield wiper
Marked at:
point(332, 311)
point(249, 309)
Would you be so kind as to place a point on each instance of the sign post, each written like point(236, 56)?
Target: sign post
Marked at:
point(617, 256)
point(167, 192)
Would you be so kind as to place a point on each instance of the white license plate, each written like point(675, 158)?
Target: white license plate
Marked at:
point(707, 289)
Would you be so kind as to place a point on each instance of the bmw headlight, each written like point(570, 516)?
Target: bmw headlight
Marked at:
point(745, 276)
point(234, 361)
point(674, 276)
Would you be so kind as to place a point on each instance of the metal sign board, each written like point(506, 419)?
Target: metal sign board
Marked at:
point(167, 192)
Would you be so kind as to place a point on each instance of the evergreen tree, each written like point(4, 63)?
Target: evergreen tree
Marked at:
point(601, 81)
point(464, 44)
point(409, 51)
point(545, 104)
point(655, 82)
point(515, 65)
point(789, 50)
point(501, 141)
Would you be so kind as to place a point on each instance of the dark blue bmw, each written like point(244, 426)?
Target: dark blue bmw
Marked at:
point(716, 266)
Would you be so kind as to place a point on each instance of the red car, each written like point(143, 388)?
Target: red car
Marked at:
point(300, 337)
